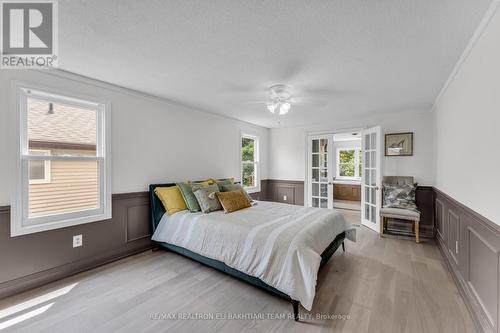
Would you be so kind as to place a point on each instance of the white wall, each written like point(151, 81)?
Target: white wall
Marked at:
point(467, 120)
point(152, 140)
point(287, 150)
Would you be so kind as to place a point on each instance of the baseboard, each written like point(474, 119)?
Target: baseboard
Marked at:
point(38, 279)
point(479, 318)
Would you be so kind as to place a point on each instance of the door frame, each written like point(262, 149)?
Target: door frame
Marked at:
point(307, 135)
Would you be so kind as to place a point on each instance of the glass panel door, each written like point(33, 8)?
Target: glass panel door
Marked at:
point(371, 193)
point(320, 191)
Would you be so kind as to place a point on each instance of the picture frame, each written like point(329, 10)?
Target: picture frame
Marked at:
point(399, 144)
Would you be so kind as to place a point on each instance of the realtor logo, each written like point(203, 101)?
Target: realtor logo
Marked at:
point(29, 33)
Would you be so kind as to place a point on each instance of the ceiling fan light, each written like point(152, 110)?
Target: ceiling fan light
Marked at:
point(271, 107)
point(284, 108)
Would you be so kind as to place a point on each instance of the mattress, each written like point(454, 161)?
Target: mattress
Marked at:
point(278, 243)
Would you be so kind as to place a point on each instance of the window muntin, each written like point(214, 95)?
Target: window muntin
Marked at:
point(348, 163)
point(249, 163)
point(67, 137)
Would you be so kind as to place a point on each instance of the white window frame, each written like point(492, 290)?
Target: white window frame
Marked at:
point(21, 224)
point(46, 168)
point(357, 176)
point(256, 162)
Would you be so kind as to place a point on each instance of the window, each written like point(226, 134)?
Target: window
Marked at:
point(250, 163)
point(349, 163)
point(39, 171)
point(63, 178)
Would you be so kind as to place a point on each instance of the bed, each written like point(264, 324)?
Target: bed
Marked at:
point(276, 247)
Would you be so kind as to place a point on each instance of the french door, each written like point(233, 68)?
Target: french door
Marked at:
point(320, 176)
point(371, 187)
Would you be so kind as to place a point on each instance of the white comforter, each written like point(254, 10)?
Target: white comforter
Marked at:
point(280, 244)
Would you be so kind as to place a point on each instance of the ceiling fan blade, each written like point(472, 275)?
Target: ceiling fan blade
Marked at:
point(309, 101)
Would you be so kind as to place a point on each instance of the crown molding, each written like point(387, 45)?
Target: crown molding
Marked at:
point(468, 49)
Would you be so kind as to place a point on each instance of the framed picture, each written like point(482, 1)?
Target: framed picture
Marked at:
point(399, 144)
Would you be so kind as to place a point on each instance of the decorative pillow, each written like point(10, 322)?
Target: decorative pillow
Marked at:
point(204, 185)
point(400, 196)
point(207, 199)
point(234, 187)
point(220, 182)
point(189, 197)
point(233, 200)
point(171, 198)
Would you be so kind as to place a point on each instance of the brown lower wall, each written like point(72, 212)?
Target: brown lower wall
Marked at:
point(32, 260)
point(470, 244)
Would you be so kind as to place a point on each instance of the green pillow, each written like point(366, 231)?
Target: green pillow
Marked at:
point(234, 187)
point(207, 198)
point(189, 197)
point(222, 182)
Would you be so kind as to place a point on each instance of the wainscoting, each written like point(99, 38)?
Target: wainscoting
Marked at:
point(32, 260)
point(292, 192)
point(470, 245)
point(286, 191)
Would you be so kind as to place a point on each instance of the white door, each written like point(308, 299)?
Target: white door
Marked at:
point(320, 176)
point(371, 187)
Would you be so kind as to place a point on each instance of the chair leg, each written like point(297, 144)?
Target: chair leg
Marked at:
point(295, 305)
point(417, 231)
point(382, 221)
point(343, 246)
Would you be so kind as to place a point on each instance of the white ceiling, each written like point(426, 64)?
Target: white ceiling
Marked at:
point(360, 56)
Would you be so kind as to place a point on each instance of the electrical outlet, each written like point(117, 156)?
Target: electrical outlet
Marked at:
point(77, 240)
point(456, 247)
point(284, 198)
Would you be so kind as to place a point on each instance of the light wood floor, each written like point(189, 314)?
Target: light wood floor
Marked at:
point(384, 285)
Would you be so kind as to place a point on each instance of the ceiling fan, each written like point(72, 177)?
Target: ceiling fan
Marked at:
point(280, 100)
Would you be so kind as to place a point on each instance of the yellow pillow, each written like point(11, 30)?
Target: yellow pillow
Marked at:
point(171, 198)
point(233, 200)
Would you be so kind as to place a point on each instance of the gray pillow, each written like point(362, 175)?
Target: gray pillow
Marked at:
point(234, 187)
point(400, 196)
point(189, 197)
point(207, 199)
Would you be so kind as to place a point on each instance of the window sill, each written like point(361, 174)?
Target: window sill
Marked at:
point(17, 230)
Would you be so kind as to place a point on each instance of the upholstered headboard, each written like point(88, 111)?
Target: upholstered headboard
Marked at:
point(398, 180)
point(157, 209)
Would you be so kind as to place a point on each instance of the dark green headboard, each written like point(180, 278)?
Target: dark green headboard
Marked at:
point(157, 209)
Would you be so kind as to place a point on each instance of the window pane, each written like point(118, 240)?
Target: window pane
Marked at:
point(346, 156)
point(324, 190)
point(315, 175)
point(247, 149)
point(315, 146)
point(315, 202)
point(324, 160)
point(323, 144)
point(324, 175)
point(248, 175)
point(315, 189)
point(346, 170)
point(73, 187)
point(61, 129)
point(324, 203)
point(315, 160)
